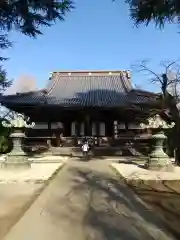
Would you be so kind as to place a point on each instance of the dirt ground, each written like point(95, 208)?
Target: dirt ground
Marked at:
point(164, 199)
point(15, 199)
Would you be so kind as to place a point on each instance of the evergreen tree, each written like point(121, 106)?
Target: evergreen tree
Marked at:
point(4, 44)
point(158, 11)
point(4, 81)
point(27, 16)
point(4, 132)
point(4, 84)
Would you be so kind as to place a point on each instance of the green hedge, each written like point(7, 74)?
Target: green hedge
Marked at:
point(5, 143)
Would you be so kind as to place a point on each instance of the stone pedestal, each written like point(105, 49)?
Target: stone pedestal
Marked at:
point(17, 158)
point(158, 159)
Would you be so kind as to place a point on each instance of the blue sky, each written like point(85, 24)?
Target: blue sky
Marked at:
point(94, 36)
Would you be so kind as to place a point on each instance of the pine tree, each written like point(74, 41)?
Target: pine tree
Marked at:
point(27, 16)
point(158, 11)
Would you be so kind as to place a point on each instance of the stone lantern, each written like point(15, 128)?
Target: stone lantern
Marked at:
point(158, 159)
point(17, 158)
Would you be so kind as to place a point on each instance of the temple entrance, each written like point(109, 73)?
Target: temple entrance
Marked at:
point(91, 129)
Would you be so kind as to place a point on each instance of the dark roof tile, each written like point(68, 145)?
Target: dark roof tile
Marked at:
point(83, 90)
point(30, 98)
point(88, 90)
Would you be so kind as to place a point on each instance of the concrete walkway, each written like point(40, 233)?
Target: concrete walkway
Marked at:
point(88, 201)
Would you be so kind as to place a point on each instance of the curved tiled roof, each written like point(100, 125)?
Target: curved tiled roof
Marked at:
point(82, 90)
point(30, 98)
point(88, 90)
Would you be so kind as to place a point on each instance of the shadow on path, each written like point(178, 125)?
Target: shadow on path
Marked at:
point(164, 199)
point(110, 209)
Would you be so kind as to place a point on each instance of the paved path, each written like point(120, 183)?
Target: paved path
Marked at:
point(88, 201)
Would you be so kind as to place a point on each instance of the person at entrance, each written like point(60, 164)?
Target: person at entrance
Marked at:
point(85, 149)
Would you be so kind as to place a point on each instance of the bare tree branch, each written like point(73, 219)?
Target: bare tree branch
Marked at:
point(169, 79)
point(167, 64)
point(142, 67)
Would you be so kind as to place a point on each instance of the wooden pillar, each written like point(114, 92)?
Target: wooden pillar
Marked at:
point(102, 129)
point(82, 128)
point(73, 128)
point(78, 129)
point(97, 128)
point(88, 125)
point(94, 128)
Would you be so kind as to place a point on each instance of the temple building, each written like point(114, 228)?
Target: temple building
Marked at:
point(100, 105)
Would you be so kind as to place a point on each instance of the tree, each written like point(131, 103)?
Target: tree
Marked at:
point(158, 11)
point(4, 44)
point(169, 81)
point(4, 114)
point(28, 16)
point(4, 82)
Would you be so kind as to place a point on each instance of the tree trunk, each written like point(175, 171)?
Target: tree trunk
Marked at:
point(170, 103)
point(174, 112)
point(177, 156)
point(177, 144)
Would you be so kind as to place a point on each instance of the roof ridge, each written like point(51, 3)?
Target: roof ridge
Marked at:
point(90, 70)
point(127, 73)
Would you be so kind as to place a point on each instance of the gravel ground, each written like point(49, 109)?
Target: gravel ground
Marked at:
point(39, 172)
point(15, 200)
